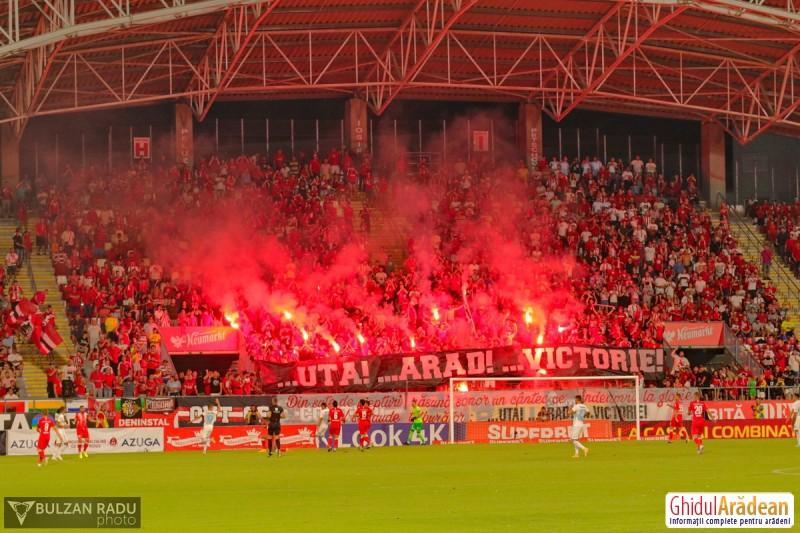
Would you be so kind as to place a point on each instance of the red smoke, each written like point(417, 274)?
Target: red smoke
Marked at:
point(305, 288)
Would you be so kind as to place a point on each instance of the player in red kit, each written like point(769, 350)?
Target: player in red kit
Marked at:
point(676, 421)
point(45, 425)
point(364, 418)
point(82, 431)
point(699, 413)
point(336, 417)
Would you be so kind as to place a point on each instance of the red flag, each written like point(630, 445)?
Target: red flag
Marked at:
point(9, 323)
point(46, 338)
point(16, 317)
point(39, 297)
point(24, 309)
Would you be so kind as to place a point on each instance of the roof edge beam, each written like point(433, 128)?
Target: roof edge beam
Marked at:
point(748, 10)
point(154, 16)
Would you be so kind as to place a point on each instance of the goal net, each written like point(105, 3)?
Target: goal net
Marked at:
point(539, 409)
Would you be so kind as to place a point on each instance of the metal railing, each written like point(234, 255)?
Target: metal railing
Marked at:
point(669, 350)
point(30, 273)
point(736, 349)
point(433, 160)
point(166, 357)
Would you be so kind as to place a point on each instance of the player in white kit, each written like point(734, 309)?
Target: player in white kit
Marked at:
point(322, 425)
point(579, 412)
point(209, 418)
point(794, 418)
point(61, 439)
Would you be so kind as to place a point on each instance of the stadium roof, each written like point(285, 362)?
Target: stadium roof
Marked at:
point(734, 62)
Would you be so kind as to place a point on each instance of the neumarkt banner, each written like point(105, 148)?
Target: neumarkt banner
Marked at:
point(29, 512)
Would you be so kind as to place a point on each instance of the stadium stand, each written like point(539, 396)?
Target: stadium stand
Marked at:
point(650, 252)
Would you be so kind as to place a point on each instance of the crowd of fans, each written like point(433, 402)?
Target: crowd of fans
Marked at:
point(11, 365)
point(11, 361)
point(733, 383)
point(654, 257)
point(778, 222)
point(13, 204)
point(632, 251)
point(94, 227)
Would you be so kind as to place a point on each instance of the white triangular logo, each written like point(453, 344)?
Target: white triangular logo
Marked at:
point(21, 509)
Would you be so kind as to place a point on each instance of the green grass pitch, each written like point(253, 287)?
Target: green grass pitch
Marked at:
point(620, 487)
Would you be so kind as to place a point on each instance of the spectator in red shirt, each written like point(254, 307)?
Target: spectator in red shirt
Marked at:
point(766, 261)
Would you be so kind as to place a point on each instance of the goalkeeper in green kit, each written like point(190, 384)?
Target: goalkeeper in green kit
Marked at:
point(416, 423)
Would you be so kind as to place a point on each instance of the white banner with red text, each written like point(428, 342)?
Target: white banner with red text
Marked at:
point(393, 407)
point(535, 403)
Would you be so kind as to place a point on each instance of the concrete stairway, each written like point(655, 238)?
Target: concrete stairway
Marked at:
point(34, 382)
point(751, 241)
point(35, 379)
point(388, 236)
point(44, 275)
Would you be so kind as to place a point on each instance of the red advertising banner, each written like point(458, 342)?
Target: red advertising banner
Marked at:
point(237, 438)
point(693, 334)
point(721, 429)
point(516, 432)
point(12, 406)
point(200, 340)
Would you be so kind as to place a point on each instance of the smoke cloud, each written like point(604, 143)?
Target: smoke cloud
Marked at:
point(483, 266)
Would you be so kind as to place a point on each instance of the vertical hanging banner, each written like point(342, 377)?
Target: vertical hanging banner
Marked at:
point(184, 134)
point(141, 147)
point(359, 136)
point(480, 141)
